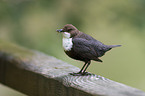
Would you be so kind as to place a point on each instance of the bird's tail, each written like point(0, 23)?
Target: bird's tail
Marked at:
point(112, 46)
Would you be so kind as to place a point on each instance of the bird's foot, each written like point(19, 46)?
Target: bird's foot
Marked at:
point(80, 74)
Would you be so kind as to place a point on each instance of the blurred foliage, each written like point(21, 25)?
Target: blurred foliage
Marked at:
point(33, 24)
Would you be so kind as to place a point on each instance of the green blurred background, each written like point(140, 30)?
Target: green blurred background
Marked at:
point(33, 24)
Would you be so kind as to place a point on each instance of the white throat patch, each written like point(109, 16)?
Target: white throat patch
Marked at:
point(66, 34)
point(67, 41)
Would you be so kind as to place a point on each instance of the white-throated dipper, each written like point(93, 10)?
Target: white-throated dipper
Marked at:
point(83, 47)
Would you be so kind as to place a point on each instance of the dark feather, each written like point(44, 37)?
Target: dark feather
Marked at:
point(98, 46)
point(85, 49)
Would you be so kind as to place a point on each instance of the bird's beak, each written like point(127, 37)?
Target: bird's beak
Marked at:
point(59, 30)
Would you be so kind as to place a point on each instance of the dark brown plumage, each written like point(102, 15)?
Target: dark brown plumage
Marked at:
point(83, 47)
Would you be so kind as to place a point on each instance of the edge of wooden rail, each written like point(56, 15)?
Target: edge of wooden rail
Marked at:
point(36, 74)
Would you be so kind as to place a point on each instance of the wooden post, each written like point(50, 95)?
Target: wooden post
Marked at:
point(36, 74)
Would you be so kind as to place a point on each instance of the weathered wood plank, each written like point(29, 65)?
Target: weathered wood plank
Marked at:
point(36, 74)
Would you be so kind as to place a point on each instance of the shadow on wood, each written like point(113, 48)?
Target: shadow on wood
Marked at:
point(36, 74)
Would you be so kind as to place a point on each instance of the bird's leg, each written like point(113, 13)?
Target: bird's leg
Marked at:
point(80, 72)
point(83, 67)
point(86, 73)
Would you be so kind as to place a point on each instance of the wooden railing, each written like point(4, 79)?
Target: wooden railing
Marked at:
point(36, 74)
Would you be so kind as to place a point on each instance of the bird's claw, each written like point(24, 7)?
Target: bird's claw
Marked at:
point(80, 74)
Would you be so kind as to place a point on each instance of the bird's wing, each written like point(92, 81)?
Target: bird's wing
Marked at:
point(84, 48)
point(98, 46)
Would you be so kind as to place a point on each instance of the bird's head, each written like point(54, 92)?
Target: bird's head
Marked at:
point(68, 31)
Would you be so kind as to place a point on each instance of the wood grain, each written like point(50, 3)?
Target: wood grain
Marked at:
point(36, 74)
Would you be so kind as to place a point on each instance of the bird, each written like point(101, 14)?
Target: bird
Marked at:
point(83, 47)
